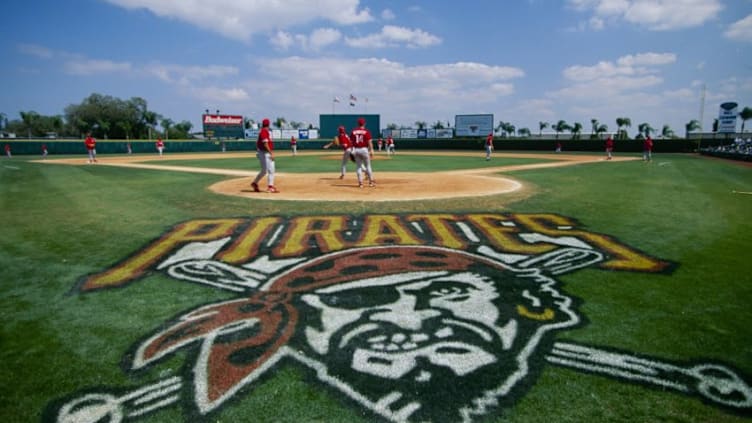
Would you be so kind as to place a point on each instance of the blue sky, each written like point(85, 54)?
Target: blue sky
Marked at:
point(525, 61)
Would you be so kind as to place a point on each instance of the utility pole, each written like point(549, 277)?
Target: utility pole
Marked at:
point(702, 105)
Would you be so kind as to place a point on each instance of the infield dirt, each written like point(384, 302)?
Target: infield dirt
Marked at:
point(390, 186)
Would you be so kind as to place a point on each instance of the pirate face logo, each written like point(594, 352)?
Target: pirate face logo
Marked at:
point(410, 333)
point(412, 323)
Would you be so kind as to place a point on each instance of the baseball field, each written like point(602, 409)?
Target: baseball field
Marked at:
point(529, 287)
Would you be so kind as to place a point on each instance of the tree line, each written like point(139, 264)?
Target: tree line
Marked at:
point(106, 117)
point(103, 116)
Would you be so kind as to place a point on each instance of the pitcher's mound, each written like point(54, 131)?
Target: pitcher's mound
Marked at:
point(390, 186)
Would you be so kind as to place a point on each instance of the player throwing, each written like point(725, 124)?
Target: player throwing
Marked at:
point(265, 155)
point(363, 151)
point(343, 141)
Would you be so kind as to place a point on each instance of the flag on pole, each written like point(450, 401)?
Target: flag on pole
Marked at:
point(336, 99)
point(352, 100)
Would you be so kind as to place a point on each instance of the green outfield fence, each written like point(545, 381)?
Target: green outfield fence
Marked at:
point(681, 145)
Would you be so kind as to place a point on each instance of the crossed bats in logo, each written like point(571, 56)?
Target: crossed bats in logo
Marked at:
point(242, 339)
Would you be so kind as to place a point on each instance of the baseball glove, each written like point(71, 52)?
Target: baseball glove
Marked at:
point(352, 157)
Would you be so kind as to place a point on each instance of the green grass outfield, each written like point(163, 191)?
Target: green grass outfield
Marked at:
point(61, 223)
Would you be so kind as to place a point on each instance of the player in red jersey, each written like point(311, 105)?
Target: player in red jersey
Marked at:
point(91, 147)
point(489, 145)
point(160, 146)
point(265, 154)
point(609, 147)
point(343, 141)
point(363, 151)
point(647, 149)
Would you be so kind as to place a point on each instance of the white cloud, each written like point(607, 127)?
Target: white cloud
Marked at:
point(399, 92)
point(87, 67)
point(391, 36)
point(624, 67)
point(323, 37)
point(740, 30)
point(657, 15)
point(36, 51)
point(218, 95)
point(185, 74)
point(387, 15)
point(241, 20)
point(318, 39)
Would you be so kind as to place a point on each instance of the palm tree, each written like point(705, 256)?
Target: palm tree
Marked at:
point(29, 120)
point(150, 120)
point(692, 125)
point(745, 115)
point(438, 125)
point(594, 125)
point(625, 122)
point(509, 129)
point(166, 124)
point(280, 122)
point(576, 129)
point(500, 127)
point(645, 128)
point(523, 132)
point(667, 132)
point(561, 126)
point(541, 126)
point(420, 124)
point(600, 129)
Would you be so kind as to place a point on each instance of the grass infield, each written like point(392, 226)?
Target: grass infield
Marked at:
point(62, 223)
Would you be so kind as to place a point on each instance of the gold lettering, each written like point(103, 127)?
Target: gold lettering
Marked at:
point(134, 267)
point(325, 230)
point(624, 258)
point(505, 237)
point(385, 229)
point(438, 224)
point(246, 246)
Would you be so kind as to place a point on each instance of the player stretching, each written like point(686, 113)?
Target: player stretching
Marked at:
point(265, 154)
point(363, 150)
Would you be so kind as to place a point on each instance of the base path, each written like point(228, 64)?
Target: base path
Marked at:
point(390, 186)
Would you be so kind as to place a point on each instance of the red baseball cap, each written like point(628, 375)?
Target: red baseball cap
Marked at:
point(265, 122)
point(361, 121)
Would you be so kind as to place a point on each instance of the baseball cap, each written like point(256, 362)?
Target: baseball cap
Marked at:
point(265, 122)
point(361, 121)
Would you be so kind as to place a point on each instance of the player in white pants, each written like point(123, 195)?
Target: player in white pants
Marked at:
point(265, 155)
point(363, 151)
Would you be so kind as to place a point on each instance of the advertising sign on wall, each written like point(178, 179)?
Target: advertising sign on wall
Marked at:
point(473, 125)
point(727, 117)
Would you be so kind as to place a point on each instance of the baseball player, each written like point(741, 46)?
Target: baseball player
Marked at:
point(609, 147)
point(647, 149)
point(294, 145)
point(389, 145)
point(363, 151)
point(265, 155)
point(489, 145)
point(160, 146)
point(91, 149)
point(7, 151)
point(343, 141)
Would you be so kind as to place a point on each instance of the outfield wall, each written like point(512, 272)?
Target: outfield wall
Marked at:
point(34, 147)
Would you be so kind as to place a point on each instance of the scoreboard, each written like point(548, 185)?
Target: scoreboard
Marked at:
point(223, 126)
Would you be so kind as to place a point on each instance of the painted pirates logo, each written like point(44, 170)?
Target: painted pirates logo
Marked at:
point(415, 318)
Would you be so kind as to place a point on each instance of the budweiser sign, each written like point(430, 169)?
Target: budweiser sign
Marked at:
point(223, 120)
